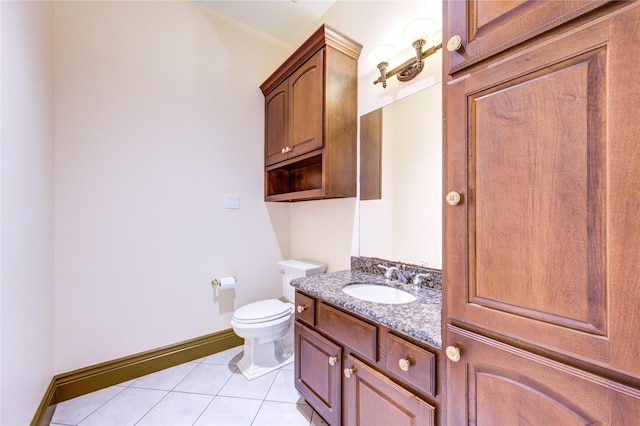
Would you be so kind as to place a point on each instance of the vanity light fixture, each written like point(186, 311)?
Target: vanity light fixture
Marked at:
point(416, 34)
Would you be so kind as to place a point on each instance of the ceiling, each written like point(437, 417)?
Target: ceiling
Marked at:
point(288, 21)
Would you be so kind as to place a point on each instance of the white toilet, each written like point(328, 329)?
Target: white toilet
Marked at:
point(267, 326)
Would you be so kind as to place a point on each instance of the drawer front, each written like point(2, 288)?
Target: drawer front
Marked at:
point(412, 364)
point(305, 309)
point(354, 333)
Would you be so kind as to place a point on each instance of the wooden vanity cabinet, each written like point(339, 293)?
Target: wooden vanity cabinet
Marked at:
point(540, 253)
point(355, 372)
point(311, 120)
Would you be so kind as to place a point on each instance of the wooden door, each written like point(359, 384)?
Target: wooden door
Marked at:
point(507, 386)
point(276, 124)
point(306, 106)
point(372, 399)
point(318, 373)
point(544, 245)
point(488, 27)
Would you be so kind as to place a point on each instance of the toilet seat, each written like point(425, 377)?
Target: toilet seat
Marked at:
point(262, 311)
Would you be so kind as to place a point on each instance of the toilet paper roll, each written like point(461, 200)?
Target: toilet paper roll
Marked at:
point(227, 283)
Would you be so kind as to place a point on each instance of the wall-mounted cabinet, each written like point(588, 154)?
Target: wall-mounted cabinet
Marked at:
point(311, 120)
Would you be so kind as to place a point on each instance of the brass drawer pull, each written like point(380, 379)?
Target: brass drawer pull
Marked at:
point(453, 353)
point(349, 371)
point(404, 363)
point(453, 198)
point(454, 43)
point(302, 308)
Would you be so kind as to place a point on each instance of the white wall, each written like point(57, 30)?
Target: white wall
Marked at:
point(158, 116)
point(26, 225)
point(317, 227)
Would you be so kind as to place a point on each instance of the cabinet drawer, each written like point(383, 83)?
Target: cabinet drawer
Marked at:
point(305, 309)
point(351, 332)
point(420, 364)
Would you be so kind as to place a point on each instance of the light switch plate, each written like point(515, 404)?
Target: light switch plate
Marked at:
point(231, 201)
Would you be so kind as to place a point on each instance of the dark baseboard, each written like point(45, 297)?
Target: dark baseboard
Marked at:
point(85, 380)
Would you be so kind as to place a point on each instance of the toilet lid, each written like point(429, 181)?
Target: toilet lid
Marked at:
point(262, 311)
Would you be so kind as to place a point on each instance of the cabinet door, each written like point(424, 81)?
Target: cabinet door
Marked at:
point(488, 27)
point(276, 124)
point(371, 399)
point(508, 386)
point(306, 106)
point(543, 246)
point(318, 373)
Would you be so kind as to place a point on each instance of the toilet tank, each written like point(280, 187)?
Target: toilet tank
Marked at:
point(291, 269)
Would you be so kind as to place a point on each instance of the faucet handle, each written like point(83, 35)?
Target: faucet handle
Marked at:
point(387, 270)
point(417, 278)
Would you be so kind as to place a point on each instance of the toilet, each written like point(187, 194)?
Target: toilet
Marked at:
point(267, 325)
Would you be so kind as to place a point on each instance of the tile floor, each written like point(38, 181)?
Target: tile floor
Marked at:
point(208, 391)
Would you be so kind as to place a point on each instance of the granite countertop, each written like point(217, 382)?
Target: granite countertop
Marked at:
point(420, 319)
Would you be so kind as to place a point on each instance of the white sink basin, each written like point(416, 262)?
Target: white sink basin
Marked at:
point(378, 293)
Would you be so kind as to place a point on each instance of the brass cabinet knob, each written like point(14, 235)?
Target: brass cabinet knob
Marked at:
point(453, 353)
point(333, 360)
point(349, 371)
point(301, 308)
point(454, 43)
point(404, 364)
point(453, 198)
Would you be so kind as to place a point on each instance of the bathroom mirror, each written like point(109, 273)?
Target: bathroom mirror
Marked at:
point(405, 223)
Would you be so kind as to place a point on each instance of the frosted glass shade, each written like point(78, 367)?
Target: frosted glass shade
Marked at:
point(418, 30)
point(381, 54)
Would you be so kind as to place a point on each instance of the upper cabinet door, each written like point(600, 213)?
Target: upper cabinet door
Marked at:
point(543, 246)
point(485, 27)
point(306, 106)
point(276, 128)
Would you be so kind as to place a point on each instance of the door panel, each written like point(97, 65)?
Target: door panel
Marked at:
point(539, 174)
point(509, 386)
point(541, 148)
point(371, 399)
point(315, 378)
point(276, 126)
point(306, 88)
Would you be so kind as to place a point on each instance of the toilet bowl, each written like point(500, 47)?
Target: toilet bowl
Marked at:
point(267, 325)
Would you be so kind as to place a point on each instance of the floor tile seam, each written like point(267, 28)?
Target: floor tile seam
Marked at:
point(205, 408)
point(186, 375)
point(153, 406)
point(102, 405)
point(257, 412)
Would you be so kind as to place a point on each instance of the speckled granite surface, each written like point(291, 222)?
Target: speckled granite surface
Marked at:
point(371, 265)
point(419, 319)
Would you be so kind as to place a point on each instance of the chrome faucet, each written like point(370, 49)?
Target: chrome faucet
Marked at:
point(389, 273)
point(417, 278)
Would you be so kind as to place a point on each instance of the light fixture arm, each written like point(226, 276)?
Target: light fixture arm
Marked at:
point(409, 69)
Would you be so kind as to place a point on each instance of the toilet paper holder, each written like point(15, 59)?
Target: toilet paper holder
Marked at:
point(224, 282)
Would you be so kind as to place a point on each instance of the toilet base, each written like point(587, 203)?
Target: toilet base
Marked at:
point(262, 358)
